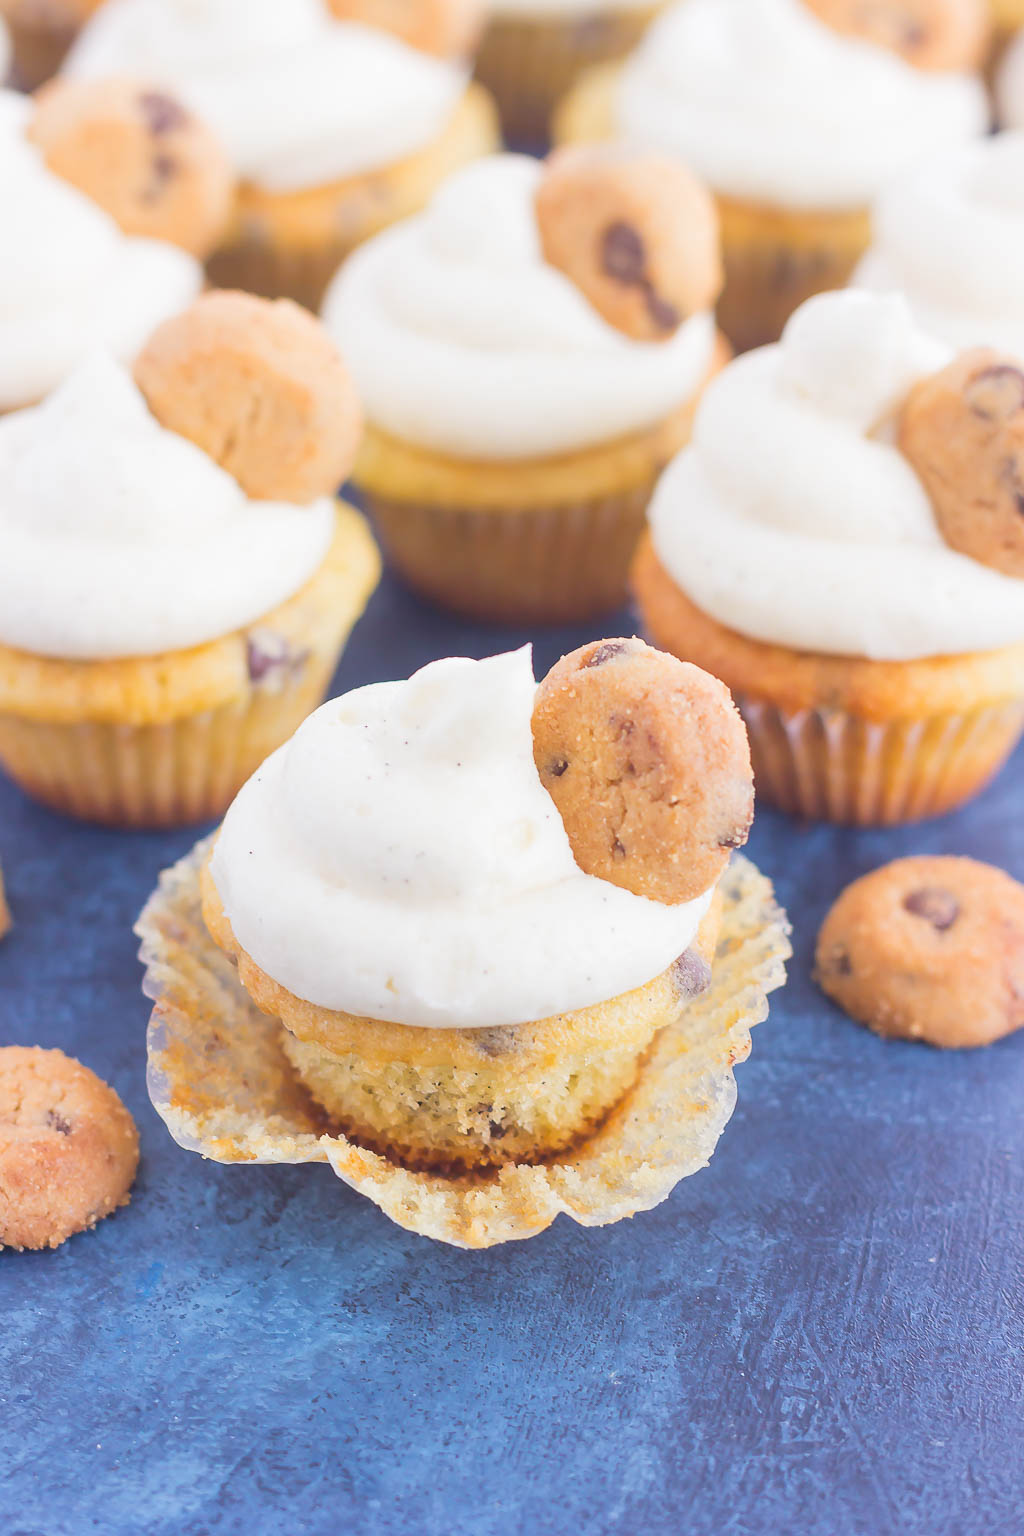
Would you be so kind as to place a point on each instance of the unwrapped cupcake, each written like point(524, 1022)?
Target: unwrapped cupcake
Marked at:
point(482, 922)
point(842, 544)
point(796, 113)
point(335, 125)
point(177, 578)
point(529, 352)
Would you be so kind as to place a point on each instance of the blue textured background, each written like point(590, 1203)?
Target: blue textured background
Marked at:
point(822, 1333)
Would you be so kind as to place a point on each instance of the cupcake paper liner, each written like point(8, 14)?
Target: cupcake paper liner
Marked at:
point(834, 766)
point(219, 1078)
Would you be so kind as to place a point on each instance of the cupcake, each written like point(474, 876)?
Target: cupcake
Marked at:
point(532, 51)
point(335, 127)
point(795, 122)
point(950, 237)
point(177, 580)
point(529, 352)
point(839, 545)
point(41, 32)
point(471, 938)
point(71, 279)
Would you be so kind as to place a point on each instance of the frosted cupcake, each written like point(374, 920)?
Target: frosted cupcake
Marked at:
point(177, 579)
point(876, 653)
point(41, 32)
point(795, 123)
point(70, 280)
point(950, 237)
point(515, 432)
point(335, 128)
point(533, 50)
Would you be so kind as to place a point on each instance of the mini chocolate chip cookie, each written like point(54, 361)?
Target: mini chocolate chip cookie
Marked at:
point(68, 1148)
point(930, 34)
point(260, 387)
point(636, 233)
point(962, 429)
point(647, 760)
point(447, 28)
point(140, 155)
point(928, 949)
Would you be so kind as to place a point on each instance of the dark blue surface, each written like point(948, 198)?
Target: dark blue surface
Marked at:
point(822, 1333)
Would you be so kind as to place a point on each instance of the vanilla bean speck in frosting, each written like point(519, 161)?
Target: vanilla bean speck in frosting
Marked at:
point(793, 518)
point(769, 105)
point(462, 339)
point(297, 98)
point(120, 538)
point(400, 859)
point(70, 281)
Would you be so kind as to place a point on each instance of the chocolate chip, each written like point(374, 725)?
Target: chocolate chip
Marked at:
point(498, 1041)
point(840, 962)
point(557, 768)
point(162, 113)
point(623, 254)
point(936, 906)
point(618, 851)
point(606, 652)
point(271, 659)
point(665, 316)
point(996, 393)
point(692, 974)
point(497, 1130)
point(58, 1123)
point(164, 169)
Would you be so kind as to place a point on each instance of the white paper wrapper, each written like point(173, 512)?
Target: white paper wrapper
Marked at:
point(220, 1079)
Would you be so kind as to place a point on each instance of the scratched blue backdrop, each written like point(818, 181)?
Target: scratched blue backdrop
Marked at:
point(822, 1333)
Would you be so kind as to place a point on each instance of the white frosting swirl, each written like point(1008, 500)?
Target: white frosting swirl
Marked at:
point(400, 859)
point(794, 519)
point(70, 281)
point(120, 538)
point(950, 236)
point(769, 105)
point(297, 98)
point(462, 339)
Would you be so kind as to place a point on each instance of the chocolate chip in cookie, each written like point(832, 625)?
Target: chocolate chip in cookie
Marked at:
point(647, 760)
point(930, 34)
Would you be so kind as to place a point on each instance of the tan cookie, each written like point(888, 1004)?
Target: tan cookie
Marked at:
point(636, 233)
point(5, 911)
point(930, 34)
point(68, 1148)
point(928, 949)
point(647, 760)
point(448, 28)
point(963, 431)
point(260, 387)
point(140, 155)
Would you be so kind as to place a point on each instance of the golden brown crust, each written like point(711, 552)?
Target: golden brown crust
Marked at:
point(647, 760)
point(930, 34)
point(141, 155)
point(447, 28)
point(68, 1148)
point(928, 949)
point(637, 233)
point(797, 680)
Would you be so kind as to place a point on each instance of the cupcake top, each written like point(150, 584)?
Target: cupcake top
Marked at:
point(121, 538)
point(400, 859)
point(950, 236)
point(794, 517)
point(297, 97)
point(69, 280)
point(464, 340)
point(770, 105)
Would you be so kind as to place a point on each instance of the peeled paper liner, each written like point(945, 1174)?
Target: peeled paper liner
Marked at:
point(220, 1080)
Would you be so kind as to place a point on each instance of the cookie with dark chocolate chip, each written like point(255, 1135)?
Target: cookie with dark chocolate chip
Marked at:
point(636, 233)
point(446, 28)
point(928, 949)
point(68, 1148)
point(930, 34)
point(138, 153)
point(962, 429)
point(647, 760)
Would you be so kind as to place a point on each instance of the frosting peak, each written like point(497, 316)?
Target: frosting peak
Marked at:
point(400, 859)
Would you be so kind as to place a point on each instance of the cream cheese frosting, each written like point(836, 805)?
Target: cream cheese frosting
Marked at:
point(770, 105)
point(793, 517)
point(70, 281)
point(950, 236)
point(463, 340)
point(297, 98)
point(400, 859)
point(120, 538)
